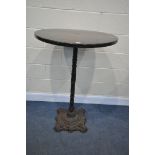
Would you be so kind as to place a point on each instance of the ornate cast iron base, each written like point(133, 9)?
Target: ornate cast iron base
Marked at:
point(70, 121)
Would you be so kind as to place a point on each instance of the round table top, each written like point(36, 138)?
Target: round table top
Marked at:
point(76, 38)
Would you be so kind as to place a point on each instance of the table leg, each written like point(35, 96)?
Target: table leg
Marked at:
point(73, 79)
point(71, 119)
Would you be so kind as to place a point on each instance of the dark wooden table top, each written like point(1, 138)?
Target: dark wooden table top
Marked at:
point(76, 38)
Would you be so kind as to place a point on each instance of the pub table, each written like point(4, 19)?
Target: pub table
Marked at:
point(73, 119)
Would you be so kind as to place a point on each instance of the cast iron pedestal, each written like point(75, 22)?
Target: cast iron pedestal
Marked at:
point(71, 119)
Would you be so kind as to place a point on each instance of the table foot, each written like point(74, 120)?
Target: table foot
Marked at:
point(70, 121)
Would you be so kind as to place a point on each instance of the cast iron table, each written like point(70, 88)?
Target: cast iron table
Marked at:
point(72, 119)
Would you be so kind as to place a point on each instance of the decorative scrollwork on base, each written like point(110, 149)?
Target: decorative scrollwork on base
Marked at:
point(70, 121)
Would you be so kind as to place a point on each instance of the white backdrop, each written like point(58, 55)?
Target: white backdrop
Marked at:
point(102, 71)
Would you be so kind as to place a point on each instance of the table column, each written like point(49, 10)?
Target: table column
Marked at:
point(73, 79)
